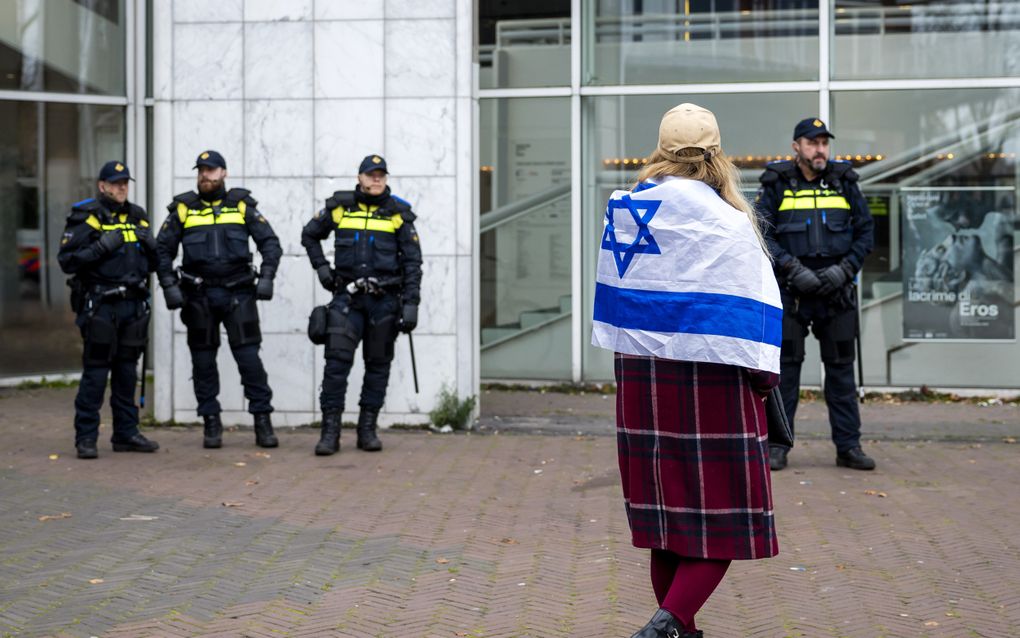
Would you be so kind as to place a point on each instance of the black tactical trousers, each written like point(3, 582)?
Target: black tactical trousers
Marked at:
point(119, 367)
point(221, 302)
point(370, 319)
point(835, 331)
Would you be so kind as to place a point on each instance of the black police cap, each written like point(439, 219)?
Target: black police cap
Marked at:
point(811, 128)
point(373, 163)
point(211, 159)
point(114, 171)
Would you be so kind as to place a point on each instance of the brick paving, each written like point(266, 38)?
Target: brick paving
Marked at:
point(480, 535)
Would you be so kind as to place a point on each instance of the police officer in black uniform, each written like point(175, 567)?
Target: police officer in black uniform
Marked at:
point(217, 285)
point(109, 249)
point(819, 232)
point(375, 288)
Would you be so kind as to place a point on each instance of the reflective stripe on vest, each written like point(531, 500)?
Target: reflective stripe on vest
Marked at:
point(363, 219)
point(127, 227)
point(192, 217)
point(812, 199)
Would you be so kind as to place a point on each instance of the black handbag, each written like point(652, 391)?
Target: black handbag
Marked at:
point(780, 432)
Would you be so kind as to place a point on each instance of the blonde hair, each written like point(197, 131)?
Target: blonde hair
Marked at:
point(716, 170)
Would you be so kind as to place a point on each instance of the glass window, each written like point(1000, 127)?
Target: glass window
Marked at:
point(66, 47)
point(48, 160)
point(620, 131)
point(524, 245)
point(882, 39)
point(699, 41)
point(917, 139)
point(523, 44)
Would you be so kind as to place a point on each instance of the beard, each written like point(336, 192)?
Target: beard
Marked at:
point(207, 186)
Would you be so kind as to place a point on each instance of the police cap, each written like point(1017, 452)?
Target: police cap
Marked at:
point(811, 128)
point(114, 171)
point(373, 163)
point(211, 159)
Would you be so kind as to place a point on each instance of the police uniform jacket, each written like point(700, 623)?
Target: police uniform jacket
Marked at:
point(820, 222)
point(81, 255)
point(372, 237)
point(215, 237)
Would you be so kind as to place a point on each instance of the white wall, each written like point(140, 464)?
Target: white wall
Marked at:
point(294, 94)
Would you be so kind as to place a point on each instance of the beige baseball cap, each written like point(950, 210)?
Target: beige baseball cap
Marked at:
point(689, 126)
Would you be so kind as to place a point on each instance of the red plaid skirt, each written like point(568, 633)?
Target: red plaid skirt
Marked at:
point(693, 450)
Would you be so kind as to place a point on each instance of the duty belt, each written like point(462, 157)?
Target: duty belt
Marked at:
point(101, 292)
point(373, 285)
point(244, 279)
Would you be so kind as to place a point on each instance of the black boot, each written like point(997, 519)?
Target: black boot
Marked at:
point(855, 459)
point(367, 440)
point(777, 457)
point(136, 443)
point(87, 449)
point(329, 440)
point(664, 625)
point(212, 435)
point(264, 436)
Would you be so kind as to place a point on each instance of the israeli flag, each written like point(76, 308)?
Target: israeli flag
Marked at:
point(681, 275)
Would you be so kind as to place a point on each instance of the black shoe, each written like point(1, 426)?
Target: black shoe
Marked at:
point(664, 625)
point(367, 439)
point(87, 449)
point(777, 458)
point(329, 440)
point(855, 459)
point(212, 435)
point(264, 436)
point(137, 443)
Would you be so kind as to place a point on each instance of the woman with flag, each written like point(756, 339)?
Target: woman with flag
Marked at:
point(686, 297)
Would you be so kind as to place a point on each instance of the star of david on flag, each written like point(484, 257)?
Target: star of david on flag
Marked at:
point(623, 253)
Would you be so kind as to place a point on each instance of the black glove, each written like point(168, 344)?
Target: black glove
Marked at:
point(264, 289)
point(144, 235)
point(110, 241)
point(325, 274)
point(834, 277)
point(408, 318)
point(801, 278)
point(174, 297)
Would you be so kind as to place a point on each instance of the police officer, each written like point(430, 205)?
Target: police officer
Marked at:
point(375, 289)
point(109, 249)
point(217, 285)
point(819, 232)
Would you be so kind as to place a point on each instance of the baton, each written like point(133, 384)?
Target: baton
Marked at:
point(860, 360)
point(414, 366)
point(145, 364)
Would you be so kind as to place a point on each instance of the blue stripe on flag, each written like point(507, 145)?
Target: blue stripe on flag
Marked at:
point(689, 312)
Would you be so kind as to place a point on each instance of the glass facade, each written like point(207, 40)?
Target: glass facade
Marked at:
point(699, 41)
point(921, 96)
point(525, 43)
point(63, 46)
point(51, 147)
point(524, 245)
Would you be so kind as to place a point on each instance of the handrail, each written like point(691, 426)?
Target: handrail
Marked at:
point(518, 208)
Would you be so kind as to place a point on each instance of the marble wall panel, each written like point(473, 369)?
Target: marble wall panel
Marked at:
point(348, 10)
point(288, 204)
point(279, 138)
point(287, 312)
point(433, 199)
point(345, 132)
point(203, 125)
point(200, 76)
point(349, 59)
point(398, 9)
point(436, 358)
point(204, 11)
point(278, 60)
point(288, 360)
point(275, 10)
point(438, 311)
point(420, 58)
point(420, 138)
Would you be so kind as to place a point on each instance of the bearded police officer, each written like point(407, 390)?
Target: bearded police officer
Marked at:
point(109, 248)
point(375, 289)
point(217, 285)
point(819, 232)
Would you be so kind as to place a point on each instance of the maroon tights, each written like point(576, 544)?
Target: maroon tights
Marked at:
point(682, 584)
